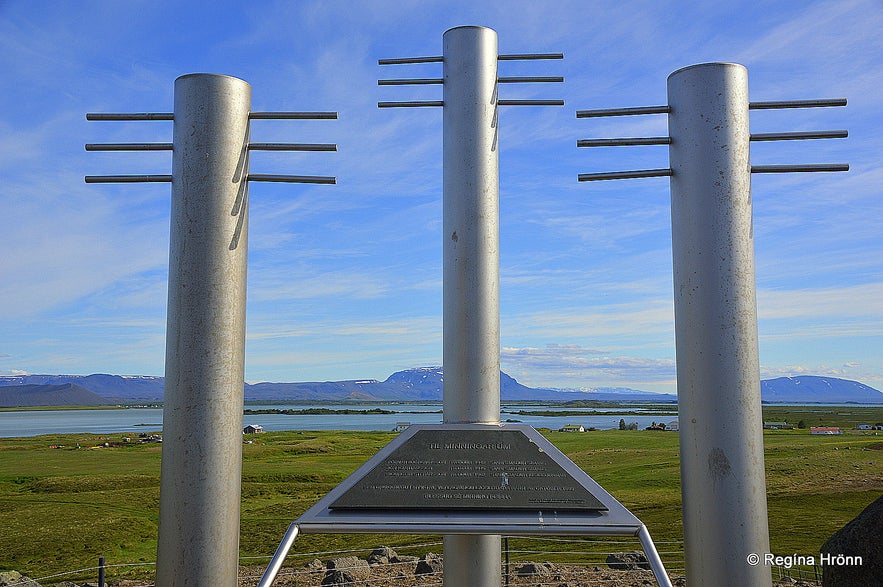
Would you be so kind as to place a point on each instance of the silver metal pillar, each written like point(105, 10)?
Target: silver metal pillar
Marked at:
point(202, 417)
point(471, 266)
point(721, 426)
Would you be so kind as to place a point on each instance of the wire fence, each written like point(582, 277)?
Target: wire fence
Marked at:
point(306, 569)
point(537, 561)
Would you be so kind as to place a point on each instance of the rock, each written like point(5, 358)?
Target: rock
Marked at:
point(17, 579)
point(628, 561)
point(314, 566)
point(850, 557)
point(382, 556)
point(357, 568)
point(338, 577)
point(428, 564)
point(405, 558)
point(533, 569)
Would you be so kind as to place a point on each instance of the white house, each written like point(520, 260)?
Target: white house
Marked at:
point(572, 428)
point(673, 426)
point(253, 429)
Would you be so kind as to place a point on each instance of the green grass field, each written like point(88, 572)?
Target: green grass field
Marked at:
point(64, 507)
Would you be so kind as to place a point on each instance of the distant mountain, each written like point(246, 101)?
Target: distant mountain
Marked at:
point(812, 389)
point(425, 384)
point(420, 384)
point(65, 394)
point(123, 388)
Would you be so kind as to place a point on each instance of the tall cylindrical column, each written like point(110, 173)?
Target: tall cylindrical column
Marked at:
point(205, 339)
point(471, 266)
point(721, 426)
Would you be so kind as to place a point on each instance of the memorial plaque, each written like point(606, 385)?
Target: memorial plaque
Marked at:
point(468, 469)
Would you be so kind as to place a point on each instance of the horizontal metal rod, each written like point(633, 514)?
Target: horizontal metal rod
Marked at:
point(131, 116)
point(797, 104)
point(128, 178)
point(626, 141)
point(529, 79)
point(798, 136)
point(530, 102)
point(129, 146)
point(402, 60)
point(522, 56)
point(423, 81)
point(625, 174)
point(511, 529)
point(292, 178)
point(440, 59)
point(292, 147)
point(809, 167)
point(623, 111)
point(251, 116)
point(292, 115)
point(416, 104)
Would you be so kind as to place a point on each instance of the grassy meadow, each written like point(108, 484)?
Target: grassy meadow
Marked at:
point(61, 508)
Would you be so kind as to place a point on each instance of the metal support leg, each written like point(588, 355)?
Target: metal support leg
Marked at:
point(653, 557)
point(279, 557)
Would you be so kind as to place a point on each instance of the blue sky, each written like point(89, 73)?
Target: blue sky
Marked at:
point(345, 281)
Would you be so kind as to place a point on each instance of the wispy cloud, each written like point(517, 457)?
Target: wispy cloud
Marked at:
point(861, 302)
point(586, 367)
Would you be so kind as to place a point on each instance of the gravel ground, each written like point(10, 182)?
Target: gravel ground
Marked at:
point(407, 574)
point(402, 575)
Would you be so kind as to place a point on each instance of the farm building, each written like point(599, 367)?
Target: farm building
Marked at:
point(778, 426)
point(253, 429)
point(825, 430)
point(572, 428)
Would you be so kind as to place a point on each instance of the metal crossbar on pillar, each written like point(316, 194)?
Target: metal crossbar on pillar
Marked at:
point(721, 427)
point(199, 509)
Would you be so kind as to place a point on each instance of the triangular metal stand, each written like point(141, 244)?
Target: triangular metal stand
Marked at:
point(514, 481)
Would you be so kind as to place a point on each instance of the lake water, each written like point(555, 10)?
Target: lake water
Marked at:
point(149, 420)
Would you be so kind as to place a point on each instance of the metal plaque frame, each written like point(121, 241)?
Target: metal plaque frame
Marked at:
point(616, 520)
